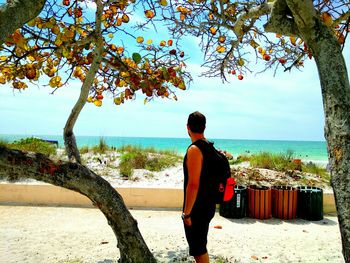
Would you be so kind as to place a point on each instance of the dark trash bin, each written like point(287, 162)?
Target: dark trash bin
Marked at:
point(259, 202)
point(310, 203)
point(237, 206)
point(284, 202)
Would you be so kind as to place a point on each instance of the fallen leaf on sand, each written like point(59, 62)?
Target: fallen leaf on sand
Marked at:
point(104, 242)
point(218, 227)
point(255, 257)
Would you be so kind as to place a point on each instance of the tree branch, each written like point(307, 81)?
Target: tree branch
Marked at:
point(281, 20)
point(68, 135)
point(18, 12)
point(252, 13)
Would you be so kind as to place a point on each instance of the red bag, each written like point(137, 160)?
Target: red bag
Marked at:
point(229, 189)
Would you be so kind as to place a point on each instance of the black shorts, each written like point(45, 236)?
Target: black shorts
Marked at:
point(197, 233)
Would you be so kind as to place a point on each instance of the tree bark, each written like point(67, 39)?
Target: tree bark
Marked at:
point(336, 103)
point(76, 177)
point(335, 87)
point(16, 13)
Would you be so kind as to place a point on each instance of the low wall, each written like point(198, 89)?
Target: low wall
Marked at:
point(45, 194)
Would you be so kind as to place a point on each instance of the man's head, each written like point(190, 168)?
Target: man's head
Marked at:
point(196, 122)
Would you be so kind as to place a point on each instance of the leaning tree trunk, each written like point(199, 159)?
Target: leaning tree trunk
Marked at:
point(76, 177)
point(299, 18)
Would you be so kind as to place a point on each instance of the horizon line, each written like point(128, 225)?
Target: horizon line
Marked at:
point(162, 137)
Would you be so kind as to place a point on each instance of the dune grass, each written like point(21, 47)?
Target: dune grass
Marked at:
point(135, 157)
point(283, 162)
point(32, 145)
point(101, 147)
point(273, 161)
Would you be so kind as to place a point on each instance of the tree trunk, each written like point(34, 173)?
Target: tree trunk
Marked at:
point(336, 102)
point(15, 14)
point(76, 177)
point(306, 24)
point(68, 134)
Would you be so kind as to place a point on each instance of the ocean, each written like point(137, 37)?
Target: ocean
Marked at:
point(306, 150)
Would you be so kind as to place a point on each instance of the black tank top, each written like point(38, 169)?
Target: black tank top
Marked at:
point(203, 201)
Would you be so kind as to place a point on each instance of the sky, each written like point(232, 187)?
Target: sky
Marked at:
point(260, 107)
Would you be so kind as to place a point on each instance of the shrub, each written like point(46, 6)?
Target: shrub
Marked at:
point(139, 158)
point(126, 169)
point(240, 159)
point(279, 162)
point(34, 145)
point(102, 146)
point(313, 168)
point(159, 163)
point(4, 143)
point(130, 161)
point(84, 149)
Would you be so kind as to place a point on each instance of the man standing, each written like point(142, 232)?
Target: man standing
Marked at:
point(198, 207)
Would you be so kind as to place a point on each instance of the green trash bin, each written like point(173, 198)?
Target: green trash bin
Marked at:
point(310, 203)
point(237, 206)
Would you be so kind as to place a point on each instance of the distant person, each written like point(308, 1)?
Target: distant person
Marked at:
point(198, 209)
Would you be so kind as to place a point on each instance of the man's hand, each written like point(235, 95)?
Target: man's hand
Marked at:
point(188, 221)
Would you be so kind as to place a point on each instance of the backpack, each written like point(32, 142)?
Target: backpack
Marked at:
point(220, 183)
point(223, 184)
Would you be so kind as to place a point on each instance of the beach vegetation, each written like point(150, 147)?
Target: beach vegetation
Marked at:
point(33, 145)
point(273, 161)
point(135, 157)
point(133, 148)
point(84, 149)
point(240, 159)
point(3, 143)
point(101, 147)
point(313, 168)
point(149, 175)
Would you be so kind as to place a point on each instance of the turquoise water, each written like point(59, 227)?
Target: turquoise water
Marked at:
point(307, 150)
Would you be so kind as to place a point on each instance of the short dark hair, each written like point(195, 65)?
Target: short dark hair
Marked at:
point(196, 122)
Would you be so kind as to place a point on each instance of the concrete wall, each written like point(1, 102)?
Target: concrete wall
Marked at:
point(53, 195)
point(45, 194)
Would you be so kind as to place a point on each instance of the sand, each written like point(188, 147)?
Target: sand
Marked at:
point(63, 234)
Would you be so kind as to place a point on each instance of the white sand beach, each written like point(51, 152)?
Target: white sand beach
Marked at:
point(76, 235)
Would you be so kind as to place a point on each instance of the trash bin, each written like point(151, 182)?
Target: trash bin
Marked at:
point(237, 206)
point(284, 202)
point(310, 203)
point(259, 202)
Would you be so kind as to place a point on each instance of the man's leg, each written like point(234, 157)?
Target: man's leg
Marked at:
point(202, 258)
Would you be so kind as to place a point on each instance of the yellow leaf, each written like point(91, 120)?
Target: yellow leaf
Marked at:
point(31, 58)
point(254, 44)
point(139, 40)
point(240, 62)
point(220, 49)
point(3, 58)
point(163, 2)
point(110, 35)
point(149, 42)
point(293, 40)
point(98, 103)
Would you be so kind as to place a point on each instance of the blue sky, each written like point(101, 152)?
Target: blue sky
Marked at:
point(285, 107)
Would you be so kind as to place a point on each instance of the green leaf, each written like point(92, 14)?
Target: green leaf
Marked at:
point(136, 57)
